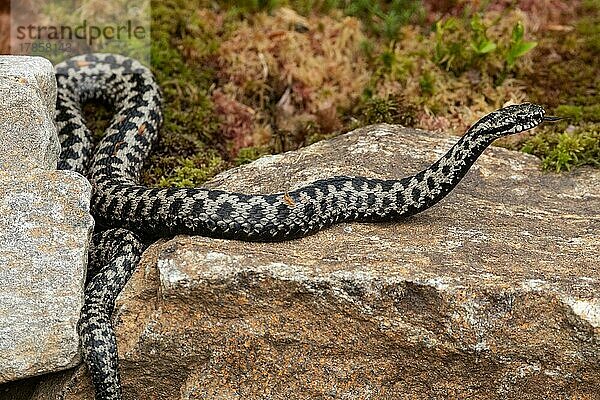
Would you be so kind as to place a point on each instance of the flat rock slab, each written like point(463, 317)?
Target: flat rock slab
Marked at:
point(45, 227)
point(28, 137)
point(492, 294)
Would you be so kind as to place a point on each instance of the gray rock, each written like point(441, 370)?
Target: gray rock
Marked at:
point(28, 137)
point(44, 233)
point(45, 227)
point(492, 294)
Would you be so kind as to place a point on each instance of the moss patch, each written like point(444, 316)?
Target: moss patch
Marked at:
point(182, 46)
point(577, 114)
point(391, 110)
point(564, 151)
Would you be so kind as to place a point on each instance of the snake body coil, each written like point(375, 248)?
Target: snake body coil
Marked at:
point(120, 202)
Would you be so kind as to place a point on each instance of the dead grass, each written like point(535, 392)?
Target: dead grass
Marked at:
point(293, 71)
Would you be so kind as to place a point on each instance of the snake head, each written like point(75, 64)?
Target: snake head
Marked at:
point(511, 119)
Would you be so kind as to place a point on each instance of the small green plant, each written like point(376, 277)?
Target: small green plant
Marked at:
point(385, 18)
point(392, 110)
point(480, 43)
point(388, 59)
point(517, 47)
point(377, 110)
point(446, 51)
point(427, 83)
point(456, 55)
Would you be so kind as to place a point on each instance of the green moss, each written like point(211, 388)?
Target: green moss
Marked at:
point(182, 160)
point(577, 114)
point(192, 172)
point(588, 27)
point(565, 146)
point(562, 151)
point(385, 18)
point(376, 111)
point(182, 47)
point(249, 154)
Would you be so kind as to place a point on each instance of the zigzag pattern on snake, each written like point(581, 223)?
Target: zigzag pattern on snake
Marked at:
point(118, 201)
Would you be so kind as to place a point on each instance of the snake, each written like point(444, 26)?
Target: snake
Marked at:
point(129, 215)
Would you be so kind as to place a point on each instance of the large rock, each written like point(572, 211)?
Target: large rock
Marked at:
point(45, 227)
point(28, 137)
point(44, 233)
point(492, 294)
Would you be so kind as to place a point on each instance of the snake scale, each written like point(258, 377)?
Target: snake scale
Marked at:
point(128, 214)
